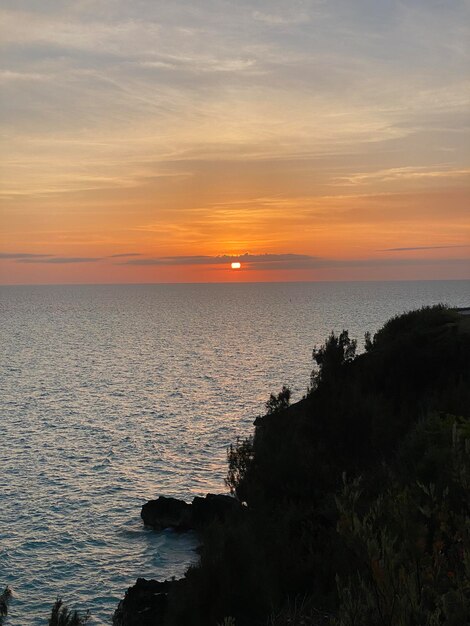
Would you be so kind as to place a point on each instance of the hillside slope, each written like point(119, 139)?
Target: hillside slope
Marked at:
point(357, 496)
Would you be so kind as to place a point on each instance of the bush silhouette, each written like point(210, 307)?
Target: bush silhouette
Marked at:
point(62, 616)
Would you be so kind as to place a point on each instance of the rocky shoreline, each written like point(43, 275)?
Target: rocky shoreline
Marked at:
point(354, 495)
point(180, 516)
point(146, 602)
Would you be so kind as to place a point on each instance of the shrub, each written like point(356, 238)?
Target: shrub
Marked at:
point(422, 320)
point(278, 403)
point(412, 545)
point(336, 351)
point(62, 616)
point(239, 458)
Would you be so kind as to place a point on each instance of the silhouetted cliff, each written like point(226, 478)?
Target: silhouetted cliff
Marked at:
point(357, 497)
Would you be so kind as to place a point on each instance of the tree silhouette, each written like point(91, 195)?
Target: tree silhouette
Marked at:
point(336, 351)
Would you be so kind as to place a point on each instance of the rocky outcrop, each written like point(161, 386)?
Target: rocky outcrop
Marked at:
point(213, 508)
point(145, 603)
point(181, 516)
point(167, 513)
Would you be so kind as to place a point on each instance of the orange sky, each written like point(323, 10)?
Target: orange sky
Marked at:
point(333, 141)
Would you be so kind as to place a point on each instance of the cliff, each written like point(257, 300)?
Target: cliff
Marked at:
point(357, 497)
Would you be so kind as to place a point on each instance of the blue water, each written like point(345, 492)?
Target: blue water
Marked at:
point(112, 395)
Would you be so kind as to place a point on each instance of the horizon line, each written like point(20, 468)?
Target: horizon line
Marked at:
point(241, 282)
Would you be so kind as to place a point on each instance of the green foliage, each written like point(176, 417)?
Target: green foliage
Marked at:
point(278, 403)
point(62, 616)
point(5, 597)
point(412, 545)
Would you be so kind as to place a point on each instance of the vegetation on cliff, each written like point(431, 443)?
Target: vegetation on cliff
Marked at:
point(357, 496)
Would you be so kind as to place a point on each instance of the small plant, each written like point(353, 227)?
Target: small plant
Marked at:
point(420, 321)
point(278, 403)
point(412, 543)
point(62, 616)
point(239, 457)
point(299, 612)
point(228, 621)
point(336, 351)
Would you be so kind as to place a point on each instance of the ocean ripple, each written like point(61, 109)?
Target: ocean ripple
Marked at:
point(112, 395)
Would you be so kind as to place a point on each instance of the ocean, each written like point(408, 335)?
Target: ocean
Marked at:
point(114, 394)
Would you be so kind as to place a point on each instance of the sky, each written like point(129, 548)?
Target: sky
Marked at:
point(160, 141)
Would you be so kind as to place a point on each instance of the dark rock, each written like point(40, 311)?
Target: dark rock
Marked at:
point(167, 513)
point(179, 515)
point(213, 508)
point(144, 604)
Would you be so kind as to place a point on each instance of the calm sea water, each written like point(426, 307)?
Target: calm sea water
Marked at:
point(112, 395)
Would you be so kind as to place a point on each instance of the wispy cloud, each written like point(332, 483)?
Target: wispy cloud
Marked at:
point(248, 259)
point(314, 125)
point(404, 174)
point(30, 257)
point(8, 76)
point(425, 248)
point(216, 77)
point(288, 261)
point(15, 256)
point(124, 255)
point(286, 18)
point(60, 260)
point(249, 262)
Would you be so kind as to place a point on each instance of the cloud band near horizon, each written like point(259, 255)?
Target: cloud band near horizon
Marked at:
point(265, 262)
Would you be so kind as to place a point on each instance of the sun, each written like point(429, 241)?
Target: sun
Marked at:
point(236, 265)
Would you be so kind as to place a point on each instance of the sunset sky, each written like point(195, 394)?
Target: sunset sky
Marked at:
point(160, 141)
